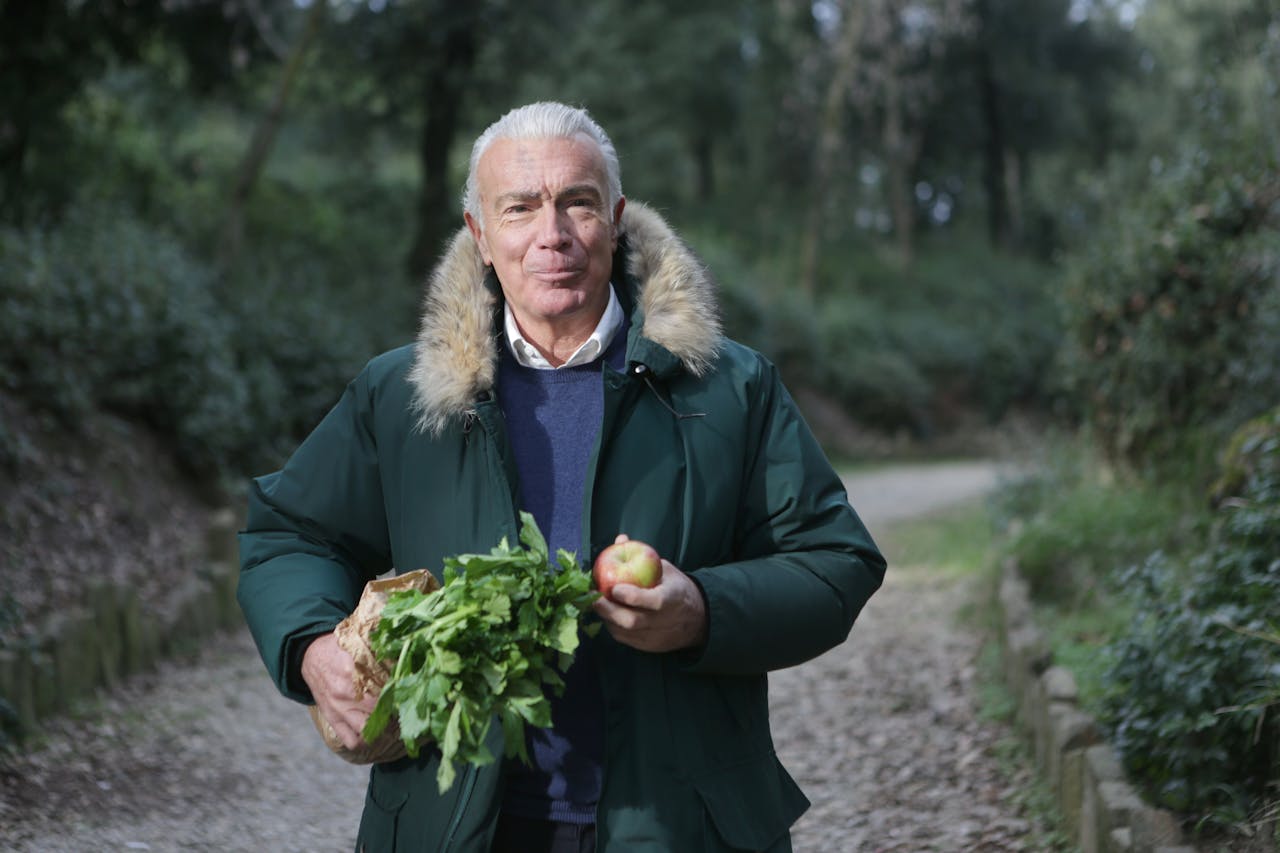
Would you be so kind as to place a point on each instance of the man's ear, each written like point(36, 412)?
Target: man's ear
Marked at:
point(477, 233)
point(617, 220)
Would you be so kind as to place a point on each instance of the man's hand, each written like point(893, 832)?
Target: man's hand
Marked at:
point(328, 670)
point(670, 616)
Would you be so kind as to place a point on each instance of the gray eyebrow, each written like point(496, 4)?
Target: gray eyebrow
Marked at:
point(581, 189)
point(518, 195)
point(534, 195)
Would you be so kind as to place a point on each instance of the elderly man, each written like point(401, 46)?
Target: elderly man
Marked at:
point(570, 362)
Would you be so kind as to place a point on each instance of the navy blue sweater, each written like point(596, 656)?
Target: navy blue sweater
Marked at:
point(553, 419)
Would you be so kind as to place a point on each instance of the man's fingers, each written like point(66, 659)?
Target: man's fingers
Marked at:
point(631, 595)
point(669, 616)
point(350, 738)
point(328, 671)
point(613, 615)
point(648, 598)
point(347, 720)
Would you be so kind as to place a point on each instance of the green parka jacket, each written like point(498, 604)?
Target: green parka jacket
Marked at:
point(701, 453)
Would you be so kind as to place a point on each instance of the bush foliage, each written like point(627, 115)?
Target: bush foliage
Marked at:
point(1072, 522)
point(1172, 315)
point(1194, 686)
point(964, 329)
point(1172, 341)
point(106, 311)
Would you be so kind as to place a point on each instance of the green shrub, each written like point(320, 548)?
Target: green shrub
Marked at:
point(962, 330)
point(1071, 522)
point(1171, 315)
point(297, 350)
point(1192, 686)
point(858, 362)
point(106, 311)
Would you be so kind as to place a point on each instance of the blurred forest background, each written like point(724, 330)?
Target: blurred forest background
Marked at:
point(214, 212)
point(935, 215)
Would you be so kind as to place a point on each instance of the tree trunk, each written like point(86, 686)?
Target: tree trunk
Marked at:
point(994, 168)
point(264, 137)
point(1013, 184)
point(15, 131)
point(829, 137)
point(29, 54)
point(900, 151)
point(446, 80)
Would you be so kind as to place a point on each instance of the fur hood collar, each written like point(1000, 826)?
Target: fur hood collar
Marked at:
point(456, 356)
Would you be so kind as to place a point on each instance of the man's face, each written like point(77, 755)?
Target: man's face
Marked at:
point(546, 227)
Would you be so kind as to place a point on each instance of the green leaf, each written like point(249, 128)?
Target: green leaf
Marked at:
point(536, 711)
point(381, 716)
point(452, 732)
point(513, 735)
point(566, 635)
point(445, 775)
point(415, 719)
point(568, 561)
point(449, 662)
point(531, 536)
point(499, 607)
point(437, 688)
point(494, 676)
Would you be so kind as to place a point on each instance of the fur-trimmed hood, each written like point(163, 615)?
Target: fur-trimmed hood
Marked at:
point(456, 358)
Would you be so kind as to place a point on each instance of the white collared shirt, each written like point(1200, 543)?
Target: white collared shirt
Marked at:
point(527, 354)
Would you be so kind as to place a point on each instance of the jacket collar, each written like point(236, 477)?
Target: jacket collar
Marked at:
point(669, 294)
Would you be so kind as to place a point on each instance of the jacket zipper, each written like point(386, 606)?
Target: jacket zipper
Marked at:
point(494, 460)
point(464, 799)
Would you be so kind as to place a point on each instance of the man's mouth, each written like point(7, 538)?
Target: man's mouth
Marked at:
point(554, 275)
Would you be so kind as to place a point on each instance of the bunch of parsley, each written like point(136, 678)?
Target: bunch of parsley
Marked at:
point(488, 644)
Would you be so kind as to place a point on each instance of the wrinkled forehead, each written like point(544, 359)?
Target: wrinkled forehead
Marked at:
point(541, 164)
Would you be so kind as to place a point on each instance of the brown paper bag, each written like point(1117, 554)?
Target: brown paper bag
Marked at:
point(370, 673)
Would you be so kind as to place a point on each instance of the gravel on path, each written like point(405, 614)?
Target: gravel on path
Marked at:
point(200, 755)
point(204, 755)
point(882, 732)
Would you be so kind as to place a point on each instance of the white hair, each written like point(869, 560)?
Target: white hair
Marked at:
point(543, 120)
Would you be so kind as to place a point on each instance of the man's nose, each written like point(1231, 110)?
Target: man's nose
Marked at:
point(553, 226)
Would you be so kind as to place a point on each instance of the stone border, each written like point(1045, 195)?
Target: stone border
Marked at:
point(109, 636)
point(1103, 813)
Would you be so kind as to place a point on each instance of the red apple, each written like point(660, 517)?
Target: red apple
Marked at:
point(631, 562)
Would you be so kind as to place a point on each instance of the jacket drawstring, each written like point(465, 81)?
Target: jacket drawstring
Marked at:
point(642, 371)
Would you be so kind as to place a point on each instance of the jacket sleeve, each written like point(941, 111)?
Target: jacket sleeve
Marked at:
point(804, 566)
point(316, 532)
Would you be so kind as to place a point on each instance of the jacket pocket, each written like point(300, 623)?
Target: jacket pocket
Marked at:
point(382, 806)
point(750, 805)
point(404, 810)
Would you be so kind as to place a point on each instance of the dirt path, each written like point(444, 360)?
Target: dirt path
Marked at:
point(880, 732)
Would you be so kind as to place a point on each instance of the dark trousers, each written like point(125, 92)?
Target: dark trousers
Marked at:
point(530, 835)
